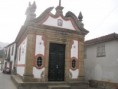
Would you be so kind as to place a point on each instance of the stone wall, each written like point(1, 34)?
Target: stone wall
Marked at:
point(102, 84)
point(47, 85)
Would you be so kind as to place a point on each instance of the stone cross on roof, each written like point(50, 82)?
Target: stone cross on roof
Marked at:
point(59, 9)
point(59, 2)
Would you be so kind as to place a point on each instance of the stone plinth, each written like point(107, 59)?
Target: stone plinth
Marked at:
point(48, 85)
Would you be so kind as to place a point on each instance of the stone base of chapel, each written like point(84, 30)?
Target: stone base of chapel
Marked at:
point(48, 85)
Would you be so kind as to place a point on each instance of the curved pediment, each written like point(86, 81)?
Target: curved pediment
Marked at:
point(69, 21)
point(60, 22)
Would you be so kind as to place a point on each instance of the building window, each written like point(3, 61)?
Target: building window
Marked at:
point(12, 50)
point(19, 53)
point(23, 49)
point(73, 63)
point(59, 22)
point(101, 50)
point(39, 61)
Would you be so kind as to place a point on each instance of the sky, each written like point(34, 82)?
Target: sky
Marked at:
point(100, 17)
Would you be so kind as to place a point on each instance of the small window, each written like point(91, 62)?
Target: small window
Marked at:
point(101, 50)
point(59, 22)
point(73, 63)
point(22, 49)
point(39, 61)
point(12, 50)
point(19, 53)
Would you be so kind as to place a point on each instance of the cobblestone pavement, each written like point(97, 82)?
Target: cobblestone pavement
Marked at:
point(6, 82)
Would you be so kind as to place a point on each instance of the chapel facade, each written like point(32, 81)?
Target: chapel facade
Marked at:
point(50, 48)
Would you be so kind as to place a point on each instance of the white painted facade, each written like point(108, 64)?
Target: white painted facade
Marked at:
point(12, 53)
point(21, 57)
point(54, 22)
point(74, 73)
point(102, 68)
point(38, 73)
point(7, 51)
point(4, 64)
point(74, 49)
point(74, 53)
point(10, 56)
point(39, 50)
point(20, 70)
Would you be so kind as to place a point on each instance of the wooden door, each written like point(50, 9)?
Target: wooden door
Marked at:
point(56, 62)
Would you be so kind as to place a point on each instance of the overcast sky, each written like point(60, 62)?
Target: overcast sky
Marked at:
point(100, 17)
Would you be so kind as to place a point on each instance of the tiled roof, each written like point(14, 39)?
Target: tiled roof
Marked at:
point(9, 44)
point(106, 38)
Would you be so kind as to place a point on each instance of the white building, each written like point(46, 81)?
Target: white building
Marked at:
point(9, 62)
point(101, 58)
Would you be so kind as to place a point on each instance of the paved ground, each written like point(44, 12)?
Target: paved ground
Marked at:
point(6, 82)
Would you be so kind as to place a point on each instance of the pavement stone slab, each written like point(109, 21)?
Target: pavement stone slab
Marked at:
point(6, 82)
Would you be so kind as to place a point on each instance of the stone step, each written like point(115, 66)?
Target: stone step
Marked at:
point(59, 87)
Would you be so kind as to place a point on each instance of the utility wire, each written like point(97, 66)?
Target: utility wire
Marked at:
point(106, 17)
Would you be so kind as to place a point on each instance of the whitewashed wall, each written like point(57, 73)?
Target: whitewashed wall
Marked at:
point(53, 22)
point(38, 73)
point(39, 45)
point(4, 64)
point(12, 56)
point(39, 50)
point(74, 49)
point(20, 70)
point(74, 53)
point(7, 51)
point(74, 73)
point(22, 57)
point(102, 68)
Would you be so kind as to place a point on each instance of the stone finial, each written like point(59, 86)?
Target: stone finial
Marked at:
point(28, 9)
point(29, 4)
point(80, 17)
point(34, 5)
point(30, 12)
